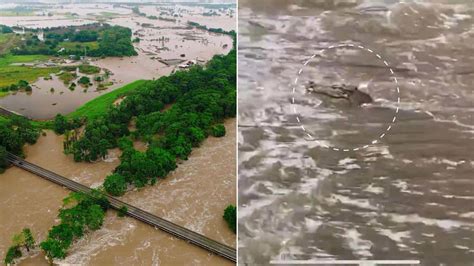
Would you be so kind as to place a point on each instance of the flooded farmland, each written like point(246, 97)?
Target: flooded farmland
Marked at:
point(159, 40)
point(193, 196)
point(409, 195)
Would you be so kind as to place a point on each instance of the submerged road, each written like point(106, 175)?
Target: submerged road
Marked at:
point(8, 113)
point(137, 213)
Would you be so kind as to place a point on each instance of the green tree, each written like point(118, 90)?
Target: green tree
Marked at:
point(218, 130)
point(60, 124)
point(12, 253)
point(122, 211)
point(3, 159)
point(230, 216)
point(84, 80)
point(115, 185)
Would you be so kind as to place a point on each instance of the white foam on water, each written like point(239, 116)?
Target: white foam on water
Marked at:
point(403, 186)
point(445, 224)
point(371, 188)
point(312, 225)
point(359, 246)
point(348, 164)
point(395, 236)
point(467, 215)
point(360, 203)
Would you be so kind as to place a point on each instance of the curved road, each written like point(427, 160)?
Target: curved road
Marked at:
point(139, 214)
point(7, 113)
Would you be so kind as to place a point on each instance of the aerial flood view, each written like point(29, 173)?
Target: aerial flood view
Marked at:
point(117, 133)
point(355, 131)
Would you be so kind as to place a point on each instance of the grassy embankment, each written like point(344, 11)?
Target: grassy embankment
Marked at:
point(99, 105)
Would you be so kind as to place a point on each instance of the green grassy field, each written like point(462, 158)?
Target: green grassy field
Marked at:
point(79, 45)
point(4, 93)
point(99, 105)
point(12, 74)
point(14, 13)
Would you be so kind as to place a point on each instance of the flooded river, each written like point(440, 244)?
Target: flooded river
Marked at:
point(180, 42)
point(195, 196)
point(345, 191)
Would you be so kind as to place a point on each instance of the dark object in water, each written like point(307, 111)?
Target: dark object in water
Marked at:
point(350, 93)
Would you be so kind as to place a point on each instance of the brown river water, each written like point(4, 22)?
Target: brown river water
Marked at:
point(194, 44)
point(194, 196)
point(408, 196)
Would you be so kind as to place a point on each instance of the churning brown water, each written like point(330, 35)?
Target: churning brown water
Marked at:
point(409, 196)
point(194, 196)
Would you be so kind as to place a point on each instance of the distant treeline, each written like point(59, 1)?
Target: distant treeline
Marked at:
point(215, 30)
point(112, 41)
point(5, 29)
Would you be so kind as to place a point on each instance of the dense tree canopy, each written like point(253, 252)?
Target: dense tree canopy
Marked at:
point(112, 41)
point(115, 41)
point(15, 133)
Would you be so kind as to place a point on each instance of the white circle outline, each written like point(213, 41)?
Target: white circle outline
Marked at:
point(381, 136)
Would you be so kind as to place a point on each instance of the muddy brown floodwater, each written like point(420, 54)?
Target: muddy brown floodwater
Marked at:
point(195, 196)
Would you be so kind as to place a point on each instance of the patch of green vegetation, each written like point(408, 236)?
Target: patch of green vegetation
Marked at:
point(8, 41)
point(100, 39)
point(4, 93)
point(218, 131)
point(122, 211)
point(18, 59)
point(15, 13)
point(24, 239)
point(86, 214)
point(84, 81)
point(108, 14)
point(12, 74)
point(230, 216)
point(88, 69)
point(79, 45)
point(67, 77)
point(99, 106)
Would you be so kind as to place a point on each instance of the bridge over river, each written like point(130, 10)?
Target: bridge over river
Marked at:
point(132, 211)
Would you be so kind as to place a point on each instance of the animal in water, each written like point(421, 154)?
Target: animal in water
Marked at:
point(347, 92)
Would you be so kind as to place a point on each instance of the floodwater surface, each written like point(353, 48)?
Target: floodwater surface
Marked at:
point(355, 188)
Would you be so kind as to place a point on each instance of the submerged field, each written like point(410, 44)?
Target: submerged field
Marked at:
point(11, 74)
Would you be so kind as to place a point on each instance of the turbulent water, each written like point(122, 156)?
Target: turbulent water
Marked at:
point(356, 183)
